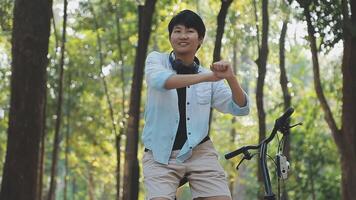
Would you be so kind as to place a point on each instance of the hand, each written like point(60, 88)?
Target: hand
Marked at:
point(222, 69)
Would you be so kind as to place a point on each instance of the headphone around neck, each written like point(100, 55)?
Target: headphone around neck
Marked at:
point(179, 66)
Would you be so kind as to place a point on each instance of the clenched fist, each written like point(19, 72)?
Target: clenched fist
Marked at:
point(222, 69)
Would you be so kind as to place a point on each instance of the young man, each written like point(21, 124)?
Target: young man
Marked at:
point(179, 97)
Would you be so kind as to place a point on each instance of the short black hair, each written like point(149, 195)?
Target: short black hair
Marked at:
point(188, 19)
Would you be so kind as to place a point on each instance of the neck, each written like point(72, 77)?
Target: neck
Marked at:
point(187, 59)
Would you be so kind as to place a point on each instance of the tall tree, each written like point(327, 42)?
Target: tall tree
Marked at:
point(30, 38)
point(261, 64)
point(225, 4)
point(347, 137)
point(107, 95)
point(344, 137)
point(118, 13)
point(283, 80)
point(56, 139)
point(131, 171)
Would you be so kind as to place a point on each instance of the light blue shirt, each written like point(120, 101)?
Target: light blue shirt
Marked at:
point(162, 112)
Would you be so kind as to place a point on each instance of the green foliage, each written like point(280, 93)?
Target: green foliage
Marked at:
point(5, 73)
point(327, 21)
point(315, 156)
point(6, 7)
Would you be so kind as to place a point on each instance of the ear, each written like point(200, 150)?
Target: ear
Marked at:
point(201, 41)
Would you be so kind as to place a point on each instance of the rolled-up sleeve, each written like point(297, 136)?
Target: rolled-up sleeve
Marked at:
point(155, 73)
point(222, 100)
point(241, 110)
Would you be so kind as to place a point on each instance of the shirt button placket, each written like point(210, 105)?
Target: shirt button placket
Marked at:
point(188, 118)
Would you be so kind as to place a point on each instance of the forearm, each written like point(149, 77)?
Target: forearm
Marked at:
point(237, 91)
point(180, 80)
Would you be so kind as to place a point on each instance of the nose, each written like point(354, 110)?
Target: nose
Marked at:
point(184, 35)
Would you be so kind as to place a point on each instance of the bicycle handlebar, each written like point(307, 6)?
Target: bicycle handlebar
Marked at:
point(279, 123)
point(282, 119)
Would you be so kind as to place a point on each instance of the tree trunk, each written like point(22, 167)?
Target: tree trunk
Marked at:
point(348, 135)
point(56, 140)
point(131, 173)
point(30, 37)
point(225, 4)
point(286, 96)
point(345, 138)
point(257, 27)
point(261, 64)
point(123, 100)
point(108, 99)
point(283, 76)
point(91, 184)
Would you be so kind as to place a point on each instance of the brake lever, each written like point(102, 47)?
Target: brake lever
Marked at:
point(285, 127)
point(300, 123)
point(247, 156)
point(238, 165)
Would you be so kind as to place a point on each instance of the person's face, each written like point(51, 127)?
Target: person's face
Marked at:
point(185, 40)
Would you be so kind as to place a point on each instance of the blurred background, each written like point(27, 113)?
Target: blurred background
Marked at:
point(75, 69)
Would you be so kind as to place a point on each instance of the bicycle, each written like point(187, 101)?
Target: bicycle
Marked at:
point(282, 164)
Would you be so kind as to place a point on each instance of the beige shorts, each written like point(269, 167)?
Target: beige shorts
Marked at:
point(205, 175)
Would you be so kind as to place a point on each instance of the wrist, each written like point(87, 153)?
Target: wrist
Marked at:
point(203, 77)
point(207, 76)
point(231, 78)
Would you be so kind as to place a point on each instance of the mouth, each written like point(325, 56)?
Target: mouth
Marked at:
point(183, 43)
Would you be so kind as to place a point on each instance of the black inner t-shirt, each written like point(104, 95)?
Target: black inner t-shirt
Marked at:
point(181, 136)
